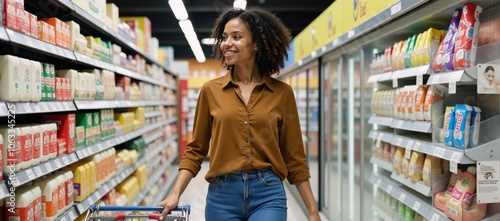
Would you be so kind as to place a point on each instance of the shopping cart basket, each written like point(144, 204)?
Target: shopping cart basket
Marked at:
point(180, 213)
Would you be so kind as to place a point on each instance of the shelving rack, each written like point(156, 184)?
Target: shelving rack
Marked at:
point(25, 46)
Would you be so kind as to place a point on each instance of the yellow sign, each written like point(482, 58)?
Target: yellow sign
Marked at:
point(339, 18)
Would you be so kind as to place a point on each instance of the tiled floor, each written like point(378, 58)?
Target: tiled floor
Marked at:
point(195, 195)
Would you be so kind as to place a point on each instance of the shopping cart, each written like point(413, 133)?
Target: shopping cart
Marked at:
point(181, 213)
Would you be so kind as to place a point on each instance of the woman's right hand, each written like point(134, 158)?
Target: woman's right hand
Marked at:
point(169, 203)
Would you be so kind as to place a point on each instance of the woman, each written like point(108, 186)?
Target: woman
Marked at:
point(248, 122)
point(488, 83)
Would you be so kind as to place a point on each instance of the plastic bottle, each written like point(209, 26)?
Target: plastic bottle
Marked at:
point(441, 198)
point(10, 78)
point(23, 210)
point(36, 81)
point(461, 197)
point(98, 169)
point(36, 145)
point(50, 197)
point(61, 186)
point(25, 74)
point(26, 142)
point(37, 202)
point(45, 139)
point(68, 179)
point(53, 140)
point(11, 151)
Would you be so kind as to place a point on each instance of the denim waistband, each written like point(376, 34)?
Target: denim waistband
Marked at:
point(249, 174)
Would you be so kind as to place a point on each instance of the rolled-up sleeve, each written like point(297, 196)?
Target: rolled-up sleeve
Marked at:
point(291, 145)
point(197, 149)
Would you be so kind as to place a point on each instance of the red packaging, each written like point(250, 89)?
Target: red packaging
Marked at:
point(10, 14)
point(67, 89)
point(61, 147)
point(45, 143)
point(33, 25)
point(466, 40)
point(59, 89)
point(52, 34)
point(65, 128)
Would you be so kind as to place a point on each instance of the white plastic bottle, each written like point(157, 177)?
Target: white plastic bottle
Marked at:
point(98, 170)
point(70, 198)
point(61, 183)
point(25, 74)
point(53, 140)
point(50, 197)
point(36, 81)
point(11, 151)
point(10, 78)
point(36, 145)
point(37, 202)
point(23, 210)
point(45, 141)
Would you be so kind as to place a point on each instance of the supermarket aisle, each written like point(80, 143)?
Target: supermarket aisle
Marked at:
point(196, 192)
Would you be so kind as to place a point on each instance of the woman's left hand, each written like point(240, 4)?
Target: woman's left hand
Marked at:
point(314, 217)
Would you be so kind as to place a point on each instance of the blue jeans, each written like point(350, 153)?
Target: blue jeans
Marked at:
point(250, 195)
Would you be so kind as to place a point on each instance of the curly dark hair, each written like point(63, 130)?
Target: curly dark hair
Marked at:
point(268, 32)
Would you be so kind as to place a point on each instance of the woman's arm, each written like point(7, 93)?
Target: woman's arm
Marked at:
point(304, 188)
point(172, 200)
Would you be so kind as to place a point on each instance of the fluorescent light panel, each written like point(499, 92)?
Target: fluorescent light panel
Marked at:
point(178, 9)
point(240, 4)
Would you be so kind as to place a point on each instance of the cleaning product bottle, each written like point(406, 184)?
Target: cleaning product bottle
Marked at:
point(461, 197)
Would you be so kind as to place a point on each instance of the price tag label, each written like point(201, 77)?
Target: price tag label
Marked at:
point(453, 167)
point(28, 41)
point(65, 105)
point(435, 217)
point(30, 174)
point(407, 153)
point(72, 215)
point(59, 106)
point(409, 145)
point(65, 160)
point(420, 80)
point(73, 158)
point(452, 87)
point(438, 152)
point(351, 33)
point(389, 189)
point(85, 152)
point(395, 83)
point(58, 163)
point(400, 124)
point(27, 107)
point(396, 8)
point(416, 206)
point(49, 167)
point(402, 197)
point(455, 158)
point(399, 141)
point(45, 107)
point(416, 146)
point(11, 34)
point(37, 108)
point(80, 208)
point(38, 171)
point(435, 78)
point(63, 218)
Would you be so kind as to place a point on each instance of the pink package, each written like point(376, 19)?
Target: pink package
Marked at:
point(449, 42)
point(466, 41)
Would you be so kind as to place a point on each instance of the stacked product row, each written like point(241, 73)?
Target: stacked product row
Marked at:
point(26, 80)
point(396, 209)
point(410, 102)
point(447, 50)
point(461, 126)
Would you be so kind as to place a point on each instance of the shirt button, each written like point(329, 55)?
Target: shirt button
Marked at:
point(246, 122)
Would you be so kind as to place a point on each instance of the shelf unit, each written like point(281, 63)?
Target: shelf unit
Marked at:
point(32, 48)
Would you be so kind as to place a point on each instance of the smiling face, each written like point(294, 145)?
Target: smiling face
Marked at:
point(237, 45)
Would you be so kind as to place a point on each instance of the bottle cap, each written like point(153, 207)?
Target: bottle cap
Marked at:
point(472, 169)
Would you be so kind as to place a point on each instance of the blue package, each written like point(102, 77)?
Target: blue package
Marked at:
point(462, 126)
point(474, 126)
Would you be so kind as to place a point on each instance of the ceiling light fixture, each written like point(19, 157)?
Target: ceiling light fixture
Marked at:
point(208, 41)
point(242, 4)
point(178, 9)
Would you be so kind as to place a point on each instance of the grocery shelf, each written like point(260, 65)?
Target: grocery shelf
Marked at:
point(418, 186)
point(42, 107)
point(4, 191)
point(152, 114)
point(381, 213)
point(135, 75)
point(3, 34)
point(164, 145)
point(381, 135)
point(105, 188)
point(381, 77)
point(69, 215)
point(380, 120)
point(104, 145)
point(93, 62)
point(384, 164)
point(39, 170)
point(155, 177)
point(417, 126)
point(152, 138)
point(467, 76)
point(104, 104)
point(164, 191)
point(411, 72)
point(3, 109)
point(20, 39)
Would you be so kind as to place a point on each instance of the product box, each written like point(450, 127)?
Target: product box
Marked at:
point(60, 30)
point(33, 25)
point(96, 125)
point(72, 77)
point(25, 22)
point(85, 120)
point(43, 31)
point(113, 12)
point(65, 128)
point(73, 33)
point(10, 14)
point(144, 25)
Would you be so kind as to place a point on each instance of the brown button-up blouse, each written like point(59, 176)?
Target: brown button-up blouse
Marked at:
point(263, 134)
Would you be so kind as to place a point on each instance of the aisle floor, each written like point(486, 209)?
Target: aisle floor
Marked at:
point(196, 193)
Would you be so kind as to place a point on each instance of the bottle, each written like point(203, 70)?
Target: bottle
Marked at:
point(461, 197)
point(441, 198)
point(25, 75)
point(10, 78)
point(50, 197)
point(23, 209)
point(36, 81)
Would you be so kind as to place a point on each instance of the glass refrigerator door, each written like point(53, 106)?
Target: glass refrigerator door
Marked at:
point(312, 144)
